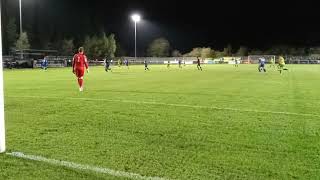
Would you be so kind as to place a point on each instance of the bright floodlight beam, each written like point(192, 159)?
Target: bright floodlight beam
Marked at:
point(2, 129)
point(136, 18)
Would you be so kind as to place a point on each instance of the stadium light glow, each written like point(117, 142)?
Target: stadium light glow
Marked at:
point(136, 17)
point(2, 128)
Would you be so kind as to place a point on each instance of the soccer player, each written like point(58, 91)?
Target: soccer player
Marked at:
point(107, 65)
point(199, 64)
point(78, 64)
point(119, 63)
point(126, 62)
point(146, 65)
point(262, 62)
point(180, 62)
point(282, 64)
point(44, 63)
point(168, 65)
point(236, 63)
point(273, 62)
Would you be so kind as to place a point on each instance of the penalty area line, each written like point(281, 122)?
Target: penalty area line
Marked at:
point(83, 167)
point(174, 105)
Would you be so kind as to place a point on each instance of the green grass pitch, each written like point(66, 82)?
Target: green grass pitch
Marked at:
point(221, 123)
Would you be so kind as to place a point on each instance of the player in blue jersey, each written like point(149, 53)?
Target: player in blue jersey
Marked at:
point(262, 62)
point(180, 62)
point(126, 62)
point(44, 63)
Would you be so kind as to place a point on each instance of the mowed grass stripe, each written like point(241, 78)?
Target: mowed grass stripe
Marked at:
point(170, 104)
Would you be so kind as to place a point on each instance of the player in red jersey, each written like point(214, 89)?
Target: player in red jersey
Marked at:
point(78, 64)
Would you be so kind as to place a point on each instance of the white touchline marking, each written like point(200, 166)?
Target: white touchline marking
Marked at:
point(169, 104)
point(76, 166)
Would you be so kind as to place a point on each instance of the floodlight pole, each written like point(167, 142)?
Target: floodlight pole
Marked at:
point(135, 40)
point(2, 128)
point(20, 17)
point(20, 10)
point(136, 18)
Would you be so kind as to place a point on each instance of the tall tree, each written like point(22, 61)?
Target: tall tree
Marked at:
point(228, 50)
point(23, 42)
point(112, 48)
point(176, 53)
point(11, 31)
point(67, 48)
point(201, 52)
point(243, 51)
point(159, 48)
point(207, 52)
point(196, 52)
point(120, 51)
point(100, 46)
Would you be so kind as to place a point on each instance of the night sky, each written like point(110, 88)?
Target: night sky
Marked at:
point(256, 24)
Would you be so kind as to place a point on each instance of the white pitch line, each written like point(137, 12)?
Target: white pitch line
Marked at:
point(76, 166)
point(170, 104)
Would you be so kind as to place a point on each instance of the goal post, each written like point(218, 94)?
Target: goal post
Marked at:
point(2, 129)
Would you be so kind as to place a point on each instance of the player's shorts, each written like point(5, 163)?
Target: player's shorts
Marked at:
point(80, 73)
point(261, 65)
point(281, 65)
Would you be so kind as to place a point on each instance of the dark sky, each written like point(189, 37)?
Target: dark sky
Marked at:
point(257, 24)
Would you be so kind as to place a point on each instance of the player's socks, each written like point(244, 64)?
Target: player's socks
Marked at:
point(80, 82)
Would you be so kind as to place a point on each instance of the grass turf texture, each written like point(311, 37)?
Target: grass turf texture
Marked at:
point(47, 116)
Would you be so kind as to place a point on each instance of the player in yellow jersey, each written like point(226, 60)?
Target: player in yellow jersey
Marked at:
point(281, 65)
